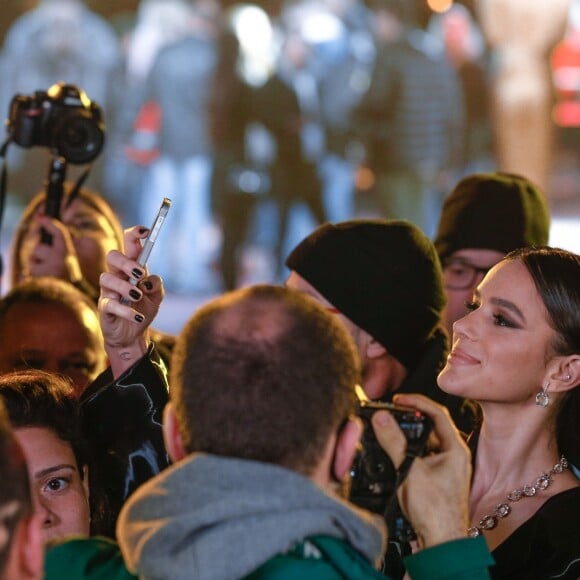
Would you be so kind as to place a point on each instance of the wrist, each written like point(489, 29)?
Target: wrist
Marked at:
point(446, 530)
point(122, 357)
point(441, 537)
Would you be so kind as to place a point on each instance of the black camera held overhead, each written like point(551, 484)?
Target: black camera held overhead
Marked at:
point(67, 122)
point(374, 479)
point(63, 118)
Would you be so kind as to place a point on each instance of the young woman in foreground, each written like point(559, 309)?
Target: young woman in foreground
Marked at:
point(517, 353)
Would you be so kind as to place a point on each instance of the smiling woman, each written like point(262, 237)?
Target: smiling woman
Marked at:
point(517, 353)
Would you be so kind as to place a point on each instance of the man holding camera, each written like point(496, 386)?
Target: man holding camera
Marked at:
point(260, 425)
point(382, 279)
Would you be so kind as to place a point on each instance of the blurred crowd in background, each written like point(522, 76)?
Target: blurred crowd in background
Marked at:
point(262, 120)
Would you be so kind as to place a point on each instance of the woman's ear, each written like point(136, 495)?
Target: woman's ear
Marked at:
point(566, 376)
point(172, 434)
point(346, 447)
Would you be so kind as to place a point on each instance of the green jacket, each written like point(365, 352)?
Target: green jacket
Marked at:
point(326, 558)
point(95, 558)
point(317, 558)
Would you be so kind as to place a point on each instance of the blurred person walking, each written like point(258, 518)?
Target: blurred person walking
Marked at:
point(411, 119)
point(56, 41)
point(180, 84)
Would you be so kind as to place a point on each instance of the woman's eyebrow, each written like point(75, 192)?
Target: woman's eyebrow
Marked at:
point(52, 469)
point(509, 305)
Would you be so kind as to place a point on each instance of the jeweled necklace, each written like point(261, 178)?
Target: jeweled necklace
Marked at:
point(489, 522)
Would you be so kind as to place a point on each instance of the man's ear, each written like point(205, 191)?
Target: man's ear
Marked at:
point(27, 549)
point(172, 434)
point(346, 446)
point(374, 349)
point(85, 481)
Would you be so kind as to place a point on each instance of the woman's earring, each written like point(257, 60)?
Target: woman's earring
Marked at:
point(542, 398)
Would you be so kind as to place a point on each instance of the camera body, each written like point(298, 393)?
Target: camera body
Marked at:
point(373, 475)
point(62, 118)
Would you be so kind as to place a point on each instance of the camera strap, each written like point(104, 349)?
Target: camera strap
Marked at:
point(403, 470)
point(78, 184)
point(400, 530)
point(3, 181)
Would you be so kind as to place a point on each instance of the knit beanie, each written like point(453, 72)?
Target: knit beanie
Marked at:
point(384, 275)
point(493, 211)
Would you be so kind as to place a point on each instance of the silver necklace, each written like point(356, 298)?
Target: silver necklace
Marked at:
point(489, 522)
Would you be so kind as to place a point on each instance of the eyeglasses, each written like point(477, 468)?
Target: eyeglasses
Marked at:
point(461, 275)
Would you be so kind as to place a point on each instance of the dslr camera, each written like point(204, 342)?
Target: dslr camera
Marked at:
point(62, 118)
point(373, 475)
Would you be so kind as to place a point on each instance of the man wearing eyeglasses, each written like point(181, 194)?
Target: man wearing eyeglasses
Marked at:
point(486, 216)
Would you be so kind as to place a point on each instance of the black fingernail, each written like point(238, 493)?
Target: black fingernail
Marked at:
point(143, 230)
point(148, 285)
point(139, 317)
point(135, 294)
point(137, 273)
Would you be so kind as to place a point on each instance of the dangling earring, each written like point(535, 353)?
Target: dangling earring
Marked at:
point(542, 398)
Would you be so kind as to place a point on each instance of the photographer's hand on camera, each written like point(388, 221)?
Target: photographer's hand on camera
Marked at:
point(58, 259)
point(125, 327)
point(434, 496)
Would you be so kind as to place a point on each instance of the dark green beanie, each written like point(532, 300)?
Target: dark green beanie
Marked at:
point(493, 211)
point(383, 275)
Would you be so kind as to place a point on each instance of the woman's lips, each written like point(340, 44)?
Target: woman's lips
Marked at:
point(458, 356)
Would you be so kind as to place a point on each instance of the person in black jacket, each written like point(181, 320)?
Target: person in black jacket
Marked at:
point(122, 410)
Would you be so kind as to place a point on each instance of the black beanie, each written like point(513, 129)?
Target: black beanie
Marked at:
point(493, 211)
point(384, 275)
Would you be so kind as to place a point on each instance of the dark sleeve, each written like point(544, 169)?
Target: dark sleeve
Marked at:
point(122, 422)
point(465, 559)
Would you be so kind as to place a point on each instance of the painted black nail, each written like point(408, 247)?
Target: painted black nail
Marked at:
point(139, 317)
point(148, 285)
point(137, 273)
point(143, 230)
point(135, 294)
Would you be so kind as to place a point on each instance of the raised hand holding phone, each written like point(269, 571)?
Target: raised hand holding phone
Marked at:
point(150, 240)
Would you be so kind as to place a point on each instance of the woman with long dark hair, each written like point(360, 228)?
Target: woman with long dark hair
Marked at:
point(517, 353)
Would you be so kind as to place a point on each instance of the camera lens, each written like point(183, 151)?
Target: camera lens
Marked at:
point(78, 138)
point(375, 467)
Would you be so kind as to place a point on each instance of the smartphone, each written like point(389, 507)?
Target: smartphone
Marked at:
point(150, 239)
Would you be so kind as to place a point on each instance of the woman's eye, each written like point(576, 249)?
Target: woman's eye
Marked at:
point(501, 320)
point(57, 484)
point(78, 367)
point(84, 226)
point(471, 306)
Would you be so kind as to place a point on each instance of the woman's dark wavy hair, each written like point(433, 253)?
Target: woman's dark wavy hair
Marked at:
point(39, 399)
point(556, 274)
point(35, 398)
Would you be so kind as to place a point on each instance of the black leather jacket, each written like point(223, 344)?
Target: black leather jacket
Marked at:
point(122, 422)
